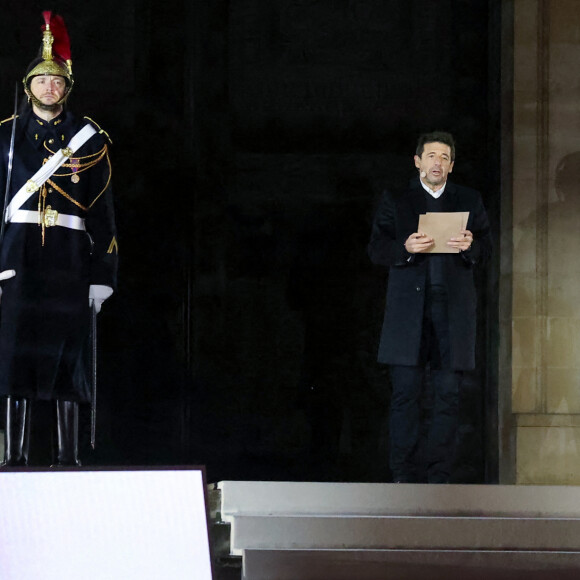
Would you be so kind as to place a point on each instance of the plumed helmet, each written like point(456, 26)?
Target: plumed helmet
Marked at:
point(55, 53)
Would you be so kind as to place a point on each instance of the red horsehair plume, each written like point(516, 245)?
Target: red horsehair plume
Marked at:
point(61, 46)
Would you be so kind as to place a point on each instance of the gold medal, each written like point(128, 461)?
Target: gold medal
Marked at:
point(74, 165)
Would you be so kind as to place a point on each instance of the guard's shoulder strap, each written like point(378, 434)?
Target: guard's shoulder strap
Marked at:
point(100, 130)
point(9, 119)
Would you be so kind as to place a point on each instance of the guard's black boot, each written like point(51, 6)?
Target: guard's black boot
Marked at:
point(67, 434)
point(17, 434)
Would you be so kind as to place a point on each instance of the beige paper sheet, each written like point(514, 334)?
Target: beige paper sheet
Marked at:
point(441, 226)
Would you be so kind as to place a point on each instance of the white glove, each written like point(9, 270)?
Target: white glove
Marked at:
point(5, 275)
point(98, 294)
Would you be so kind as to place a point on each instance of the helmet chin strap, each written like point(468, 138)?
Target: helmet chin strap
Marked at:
point(38, 104)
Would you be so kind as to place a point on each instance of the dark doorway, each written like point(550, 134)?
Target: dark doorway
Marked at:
point(251, 143)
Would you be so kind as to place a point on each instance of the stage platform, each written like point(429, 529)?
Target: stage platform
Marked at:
point(357, 531)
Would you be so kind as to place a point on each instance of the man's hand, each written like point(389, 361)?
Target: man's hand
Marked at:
point(7, 274)
point(98, 294)
point(463, 242)
point(418, 242)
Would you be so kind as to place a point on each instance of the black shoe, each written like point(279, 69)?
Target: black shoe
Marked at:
point(22, 462)
point(439, 478)
point(404, 479)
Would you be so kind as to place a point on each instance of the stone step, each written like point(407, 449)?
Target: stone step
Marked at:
point(268, 497)
point(326, 531)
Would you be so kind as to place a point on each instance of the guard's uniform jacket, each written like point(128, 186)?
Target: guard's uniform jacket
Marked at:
point(44, 309)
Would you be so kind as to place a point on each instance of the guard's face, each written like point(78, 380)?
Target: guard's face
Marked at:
point(48, 89)
point(435, 163)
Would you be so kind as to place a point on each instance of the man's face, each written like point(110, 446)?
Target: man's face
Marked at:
point(48, 89)
point(435, 163)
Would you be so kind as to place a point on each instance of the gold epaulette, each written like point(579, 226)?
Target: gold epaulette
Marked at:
point(101, 131)
point(9, 119)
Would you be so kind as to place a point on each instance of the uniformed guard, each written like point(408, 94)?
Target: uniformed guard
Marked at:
point(58, 250)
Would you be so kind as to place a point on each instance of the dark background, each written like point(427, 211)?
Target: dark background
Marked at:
point(251, 142)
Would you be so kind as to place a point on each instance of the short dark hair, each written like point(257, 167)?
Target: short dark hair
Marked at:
point(436, 137)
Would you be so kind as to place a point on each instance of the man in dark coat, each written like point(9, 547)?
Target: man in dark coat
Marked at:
point(430, 315)
point(58, 252)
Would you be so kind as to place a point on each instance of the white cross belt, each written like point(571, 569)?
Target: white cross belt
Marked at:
point(44, 173)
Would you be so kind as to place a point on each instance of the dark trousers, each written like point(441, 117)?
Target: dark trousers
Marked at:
point(405, 412)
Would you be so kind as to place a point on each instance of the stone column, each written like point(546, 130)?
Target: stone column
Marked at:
point(546, 242)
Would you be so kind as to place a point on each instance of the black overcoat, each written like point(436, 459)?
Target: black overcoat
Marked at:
point(44, 309)
point(395, 221)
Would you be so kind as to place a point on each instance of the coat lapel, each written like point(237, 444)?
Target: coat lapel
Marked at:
point(449, 198)
point(418, 201)
point(417, 197)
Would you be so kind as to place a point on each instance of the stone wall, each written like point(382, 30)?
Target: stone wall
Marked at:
point(546, 242)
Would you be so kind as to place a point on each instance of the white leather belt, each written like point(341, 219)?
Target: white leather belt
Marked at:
point(24, 216)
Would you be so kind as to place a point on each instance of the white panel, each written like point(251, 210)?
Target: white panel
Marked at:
point(103, 525)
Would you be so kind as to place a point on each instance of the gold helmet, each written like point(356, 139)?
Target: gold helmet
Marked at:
point(56, 55)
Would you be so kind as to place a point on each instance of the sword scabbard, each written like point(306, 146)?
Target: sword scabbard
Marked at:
point(9, 170)
point(93, 339)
